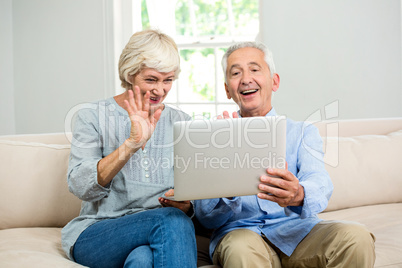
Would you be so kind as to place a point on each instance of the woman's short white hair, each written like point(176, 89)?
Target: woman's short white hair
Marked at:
point(148, 49)
point(267, 55)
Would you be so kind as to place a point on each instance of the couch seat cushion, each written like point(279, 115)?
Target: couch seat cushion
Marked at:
point(32, 247)
point(385, 222)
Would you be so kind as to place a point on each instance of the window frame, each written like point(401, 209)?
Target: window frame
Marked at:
point(126, 22)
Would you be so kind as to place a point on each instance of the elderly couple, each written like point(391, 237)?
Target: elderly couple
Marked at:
point(126, 222)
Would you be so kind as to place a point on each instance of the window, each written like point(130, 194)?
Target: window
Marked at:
point(202, 29)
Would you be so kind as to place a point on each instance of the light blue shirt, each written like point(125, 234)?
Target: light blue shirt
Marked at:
point(100, 128)
point(284, 227)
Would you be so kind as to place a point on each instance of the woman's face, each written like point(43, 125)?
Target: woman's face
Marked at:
point(159, 85)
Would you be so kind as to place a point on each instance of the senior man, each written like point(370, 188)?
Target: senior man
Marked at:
point(279, 227)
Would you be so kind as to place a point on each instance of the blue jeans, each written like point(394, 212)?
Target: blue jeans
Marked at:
point(161, 237)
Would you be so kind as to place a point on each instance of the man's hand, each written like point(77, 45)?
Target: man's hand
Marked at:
point(182, 205)
point(282, 187)
point(227, 116)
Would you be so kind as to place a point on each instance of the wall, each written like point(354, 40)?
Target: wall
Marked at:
point(60, 59)
point(7, 116)
point(337, 54)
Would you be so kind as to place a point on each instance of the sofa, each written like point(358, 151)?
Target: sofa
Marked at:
point(363, 158)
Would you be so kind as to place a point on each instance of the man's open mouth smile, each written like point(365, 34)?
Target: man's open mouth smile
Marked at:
point(249, 91)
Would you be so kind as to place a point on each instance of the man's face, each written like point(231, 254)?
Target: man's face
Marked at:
point(249, 82)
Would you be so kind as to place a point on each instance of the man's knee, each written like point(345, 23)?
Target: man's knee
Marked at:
point(244, 248)
point(240, 241)
point(358, 237)
point(350, 243)
point(334, 244)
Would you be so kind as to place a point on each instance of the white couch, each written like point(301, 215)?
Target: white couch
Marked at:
point(364, 162)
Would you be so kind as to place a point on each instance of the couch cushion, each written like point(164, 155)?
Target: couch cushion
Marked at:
point(63, 138)
point(385, 222)
point(365, 170)
point(33, 247)
point(358, 127)
point(34, 185)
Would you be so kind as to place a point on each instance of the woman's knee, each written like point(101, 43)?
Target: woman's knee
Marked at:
point(176, 219)
point(141, 256)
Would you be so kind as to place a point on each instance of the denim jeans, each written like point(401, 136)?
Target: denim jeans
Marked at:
point(161, 237)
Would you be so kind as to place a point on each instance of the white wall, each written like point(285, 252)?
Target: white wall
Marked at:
point(7, 115)
point(56, 54)
point(60, 58)
point(336, 51)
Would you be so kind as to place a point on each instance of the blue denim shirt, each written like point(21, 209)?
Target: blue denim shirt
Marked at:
point(284, 227)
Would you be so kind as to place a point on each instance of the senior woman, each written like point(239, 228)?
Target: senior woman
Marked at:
point(121, 165)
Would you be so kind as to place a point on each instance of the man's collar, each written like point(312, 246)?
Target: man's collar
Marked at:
point(272, 112)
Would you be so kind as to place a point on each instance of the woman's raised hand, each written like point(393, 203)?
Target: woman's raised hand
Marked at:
point(143, 120)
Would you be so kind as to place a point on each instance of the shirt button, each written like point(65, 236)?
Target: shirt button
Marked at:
point(144, 151)
point(146, 162)
point(146, 175)
point(146, 169)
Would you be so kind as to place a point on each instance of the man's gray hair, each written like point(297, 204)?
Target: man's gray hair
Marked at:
point(258, 45)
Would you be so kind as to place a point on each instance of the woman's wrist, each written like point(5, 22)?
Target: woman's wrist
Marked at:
point(132, 145)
